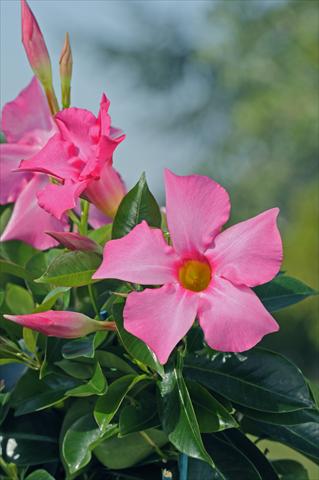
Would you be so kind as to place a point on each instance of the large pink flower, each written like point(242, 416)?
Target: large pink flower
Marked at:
point(79, 156)
point(206, 273)
point(27, 125)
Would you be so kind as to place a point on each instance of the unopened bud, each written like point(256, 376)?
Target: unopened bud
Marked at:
point(66, 63)
point(37, 53)
point(61, 324)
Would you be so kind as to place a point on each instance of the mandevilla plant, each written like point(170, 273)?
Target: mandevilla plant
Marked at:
point(132, 332)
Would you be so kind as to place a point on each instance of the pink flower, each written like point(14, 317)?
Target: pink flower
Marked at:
point(27, 125)
point(61, 324)
point(37, 52)
point(206, 273)
point(79, 156)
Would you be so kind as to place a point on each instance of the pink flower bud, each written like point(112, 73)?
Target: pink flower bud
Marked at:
point(107, 192)
point(66, 63)
point(75, 241)
point(61, 324)
point(37, 53)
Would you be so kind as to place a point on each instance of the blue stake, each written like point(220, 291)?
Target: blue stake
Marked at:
point(183, 466)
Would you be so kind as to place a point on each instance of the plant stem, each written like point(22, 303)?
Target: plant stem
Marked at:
point(73, 217)
point(153, 444)
point(83, 226)
point(93, 302)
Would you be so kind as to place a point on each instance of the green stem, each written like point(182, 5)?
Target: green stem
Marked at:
point(83, 227)
point(92, 298)
point(73, 218)
point(153, 444)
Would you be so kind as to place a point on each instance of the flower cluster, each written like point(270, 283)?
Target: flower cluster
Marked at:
point(57, 170)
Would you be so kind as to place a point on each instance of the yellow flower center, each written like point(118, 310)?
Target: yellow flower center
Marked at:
point(195, 275)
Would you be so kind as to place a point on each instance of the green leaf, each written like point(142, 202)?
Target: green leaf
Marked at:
point(79, 347)
point(178, 417)
point(34, 437)
point(101, 235)
point(51, 298)
point(303, 437)
point(30, 339)
point(107, 406)
point(135, 347)
point(95, 386)
point(210, 414)
point(140, 416)
point(283, 291)
point(39, 475)
point(116, 453)
point(230, 463)
point(71, 269)
point(258, 379)
point(139, 204)
point(19, 300)
point(290, 470)
point(291, 418)
point(14, 269)
point(80, 439)
point(76, 369)
point(113, 362)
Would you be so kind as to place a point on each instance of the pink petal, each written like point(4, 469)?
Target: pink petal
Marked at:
point(142, 256)
point(12, 182)
point(196, 208)
point(96, 218)
point(53, 159)
point(27, 114)
point(29, 222)
point(74, 125)
point(160, 317)
point(57, 199)
point(249, 253)
point(75, 241)
point(59, 323)
point(233, 318)
point(107, 192)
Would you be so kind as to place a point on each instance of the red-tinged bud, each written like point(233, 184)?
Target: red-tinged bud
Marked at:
point(37, 53)
point(61, 324)
point(107, 192)
point(66, 64)
point(75, 241)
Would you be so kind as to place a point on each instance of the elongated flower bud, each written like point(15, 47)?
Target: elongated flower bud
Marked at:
point(37, 53)
point(66, 63)
point(75, 241)
point(61, 324)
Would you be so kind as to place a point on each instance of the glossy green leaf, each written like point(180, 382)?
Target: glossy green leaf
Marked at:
point(80, 439)
point(230, 463)
point(135, 347)
point(30, 339)
point(14, 269)
point(95, 386)
point(303, 437)
point(116, 453)
point(140, 416)
point(71, 269)
point(19, 300)
point(101, 235)
point(210, 414)
point(79, 347)
point(290, 470)
point(291, 418)
point(139, 204)
point(178, 417)
point(80, 370)
point(258, 379)
point(107, 406)
point(39, 475)
point(113, 362)
point(283, 291)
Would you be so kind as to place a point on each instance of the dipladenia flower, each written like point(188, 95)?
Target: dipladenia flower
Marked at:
point(27, 125)
point(79, 156)
point(206, 273)
point(37, 53)
point(61, 324)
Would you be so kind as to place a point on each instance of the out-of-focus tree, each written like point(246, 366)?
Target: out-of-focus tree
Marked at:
point(244, 87)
